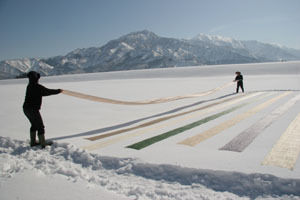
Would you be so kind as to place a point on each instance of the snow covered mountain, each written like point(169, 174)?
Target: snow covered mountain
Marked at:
point(145, 50)
point(13, 68)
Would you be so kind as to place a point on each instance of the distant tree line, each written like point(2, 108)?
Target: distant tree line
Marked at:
point(23, 75)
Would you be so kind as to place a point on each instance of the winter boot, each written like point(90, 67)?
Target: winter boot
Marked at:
point(42, 140)
point(33, 139)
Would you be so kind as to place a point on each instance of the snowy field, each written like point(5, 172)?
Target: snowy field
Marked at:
point(220, 145)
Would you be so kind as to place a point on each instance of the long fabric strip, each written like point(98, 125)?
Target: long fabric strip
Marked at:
point(155, 101)
point(199, 111)
point(286, 151)
point(152, 122)
point(194, 140)
point(155, 139)
point(158, 120)
point(152, 140)
point(240, 142)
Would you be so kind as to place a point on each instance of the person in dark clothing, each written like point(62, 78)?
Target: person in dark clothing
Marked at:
point(32, 106)
point(239, 80)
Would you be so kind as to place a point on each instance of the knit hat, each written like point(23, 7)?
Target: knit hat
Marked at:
point(33, 76)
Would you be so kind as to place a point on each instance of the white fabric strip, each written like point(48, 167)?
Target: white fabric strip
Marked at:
point(194, 140)
point(240, 142)
point(162, 100)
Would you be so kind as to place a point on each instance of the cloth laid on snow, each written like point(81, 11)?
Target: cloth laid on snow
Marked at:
point(240, 142)
point(287, 149)
point(196, 139)
point(192, 113)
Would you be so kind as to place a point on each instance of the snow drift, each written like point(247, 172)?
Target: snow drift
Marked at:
point(132, 177)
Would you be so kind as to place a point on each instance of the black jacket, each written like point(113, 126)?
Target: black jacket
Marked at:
point(34, 94)
point(239, 78)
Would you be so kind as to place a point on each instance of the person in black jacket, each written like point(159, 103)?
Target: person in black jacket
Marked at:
point(239, 80)
point(32, 105)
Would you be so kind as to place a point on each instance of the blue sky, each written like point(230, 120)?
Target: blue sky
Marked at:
point(45, 28)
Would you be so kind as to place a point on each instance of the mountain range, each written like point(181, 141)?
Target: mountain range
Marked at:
point(146, 50)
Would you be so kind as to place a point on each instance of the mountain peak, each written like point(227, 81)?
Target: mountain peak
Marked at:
point(144, 49)
point(205, 37)
point(218, 40)
point(144, 35)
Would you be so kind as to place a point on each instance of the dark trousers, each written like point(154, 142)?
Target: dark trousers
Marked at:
point(35, 120)
point(239, 85)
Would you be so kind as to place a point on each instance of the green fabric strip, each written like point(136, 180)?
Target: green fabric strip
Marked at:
point(152, 140)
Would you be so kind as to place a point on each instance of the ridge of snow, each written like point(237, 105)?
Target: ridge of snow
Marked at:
point(132, 178)
point(212, 37)
point(278, 45)
point(218, 40)
point(127, 46)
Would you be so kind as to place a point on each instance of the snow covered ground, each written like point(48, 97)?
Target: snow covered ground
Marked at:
point(171, 167)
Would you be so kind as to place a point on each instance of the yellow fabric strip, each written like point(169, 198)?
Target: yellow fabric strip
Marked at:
point(286, 151)
point(194, 140)
point(155, 101)
point(204, 110)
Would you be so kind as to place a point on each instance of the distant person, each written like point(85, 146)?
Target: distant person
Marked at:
point(32, 106)
point(239, 80)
